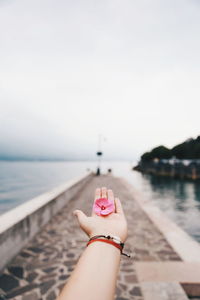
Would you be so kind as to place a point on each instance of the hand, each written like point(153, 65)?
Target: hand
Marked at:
point(113, 224)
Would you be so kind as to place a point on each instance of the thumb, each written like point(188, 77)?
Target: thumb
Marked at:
point(80, 216)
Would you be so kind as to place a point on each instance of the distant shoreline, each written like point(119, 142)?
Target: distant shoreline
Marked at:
point(36, 159)
point(182, 169)
point(32, 159)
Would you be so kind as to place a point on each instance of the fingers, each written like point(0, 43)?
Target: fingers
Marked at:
point(83, 220)
point(97, 195)
point(111, 198)
point(103, 192)
point(80, 216)
point(118, 207)
point(111, 195)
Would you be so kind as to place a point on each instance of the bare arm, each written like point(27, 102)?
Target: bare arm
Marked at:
point(95, 274)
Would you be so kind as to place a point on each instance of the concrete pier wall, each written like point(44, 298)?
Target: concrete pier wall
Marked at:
point(20, 224)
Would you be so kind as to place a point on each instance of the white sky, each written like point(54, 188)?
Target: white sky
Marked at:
point(70, 70)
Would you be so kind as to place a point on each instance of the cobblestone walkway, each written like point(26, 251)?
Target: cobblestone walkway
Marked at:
point(42, 268)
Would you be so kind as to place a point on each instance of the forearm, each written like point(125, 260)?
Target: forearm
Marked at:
point(95, 274)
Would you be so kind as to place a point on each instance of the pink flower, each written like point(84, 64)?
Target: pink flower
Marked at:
point(103, 207)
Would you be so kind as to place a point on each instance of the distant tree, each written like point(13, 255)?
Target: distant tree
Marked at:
point(190, 149)
point(158, 152)
point(187, 150)
point(180, 151)
point(161, 152)
point(197, 150)
point(146, 156)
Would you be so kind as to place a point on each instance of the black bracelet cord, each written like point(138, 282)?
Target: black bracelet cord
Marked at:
point(108, 237)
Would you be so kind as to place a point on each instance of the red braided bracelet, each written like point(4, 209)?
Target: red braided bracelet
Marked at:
point(106, 241)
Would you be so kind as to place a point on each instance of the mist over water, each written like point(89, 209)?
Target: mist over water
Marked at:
point(21, 181)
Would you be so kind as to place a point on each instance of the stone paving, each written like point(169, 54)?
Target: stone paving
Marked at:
point(41, 269)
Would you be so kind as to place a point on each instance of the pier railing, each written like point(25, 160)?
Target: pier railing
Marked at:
point(20, 224)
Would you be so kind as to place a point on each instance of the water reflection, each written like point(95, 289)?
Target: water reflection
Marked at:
point(181, 189)
point(179, 199)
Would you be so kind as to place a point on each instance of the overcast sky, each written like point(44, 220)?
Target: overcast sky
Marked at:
point(71, 70)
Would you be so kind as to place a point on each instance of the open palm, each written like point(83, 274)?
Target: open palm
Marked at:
point(113, 224)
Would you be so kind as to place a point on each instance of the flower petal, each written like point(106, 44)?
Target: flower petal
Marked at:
point(101, 201)
point(105, 212)
point(110, 201)
point(110, 205)
point(97, 209)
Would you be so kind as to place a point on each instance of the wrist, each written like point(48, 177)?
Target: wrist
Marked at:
point(109, 239)
point(102, 247)
point(106, 233)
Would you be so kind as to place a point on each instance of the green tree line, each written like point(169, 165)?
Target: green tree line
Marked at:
point(190, 149)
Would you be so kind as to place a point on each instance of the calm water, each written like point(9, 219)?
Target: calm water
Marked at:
point(21, 181)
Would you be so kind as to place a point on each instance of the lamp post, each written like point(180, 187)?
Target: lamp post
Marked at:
point(99, 155)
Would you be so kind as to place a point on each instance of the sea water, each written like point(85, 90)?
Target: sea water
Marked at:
point(180, 200)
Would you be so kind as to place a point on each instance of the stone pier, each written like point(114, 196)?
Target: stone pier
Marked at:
point(158, 270)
